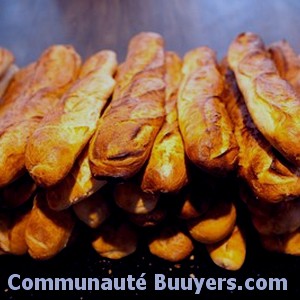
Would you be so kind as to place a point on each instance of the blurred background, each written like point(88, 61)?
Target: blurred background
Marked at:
point(27, 27)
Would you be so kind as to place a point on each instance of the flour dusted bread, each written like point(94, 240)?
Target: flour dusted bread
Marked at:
point(53, 73)
point(166, 170)
point(126, 132)
point(47, 231)
point(270, 176)
point(204, 122)
point(60, 137)
point(271, 101)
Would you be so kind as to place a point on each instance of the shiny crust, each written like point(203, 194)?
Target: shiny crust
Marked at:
point(61, 136)
point(270, 176)
point(47, 231)
point(216, 224)
point(272, 102)
point(230, 253)
point(166, 170)
point(126, 133)
point(204, 122)
point(77, 186)
point(171, 244)
point(52, 75)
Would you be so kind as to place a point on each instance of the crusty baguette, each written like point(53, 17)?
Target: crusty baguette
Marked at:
point(171, 244)
point(76, 186)
point(131, 198)
point(94, 210)
point(61, 136)
point(115, 240)
point(230, 253)
point(206, 128)
point(215, 225)
point(6, 78)
point(287, 63)
point(270, 176)
point(55, 70)
point(6, 61)
point(126, 132)
point(166, 170)
point(272, 102)
point(47, 231)
point(18, 192)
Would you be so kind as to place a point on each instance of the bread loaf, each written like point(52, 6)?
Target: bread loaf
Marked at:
point(166, 170)
point(55, 70)
point(61, 136)
point(204, 122)
point(126, 132)
point(271, 101)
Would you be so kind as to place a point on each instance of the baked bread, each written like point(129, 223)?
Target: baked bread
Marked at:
point(94, 210)
point(166, 170)
point(18, 192)
point(76, 186)
point(47, 231)
point(55, 70)
point(115, 240)
point(272, 102)
point(130, 197)
point(171, 244)
point(126, 132)
point(5, 223)
point(61, 136)
point(229, 253)
point(268, 174)
point(206, 128)
point(287, 63)
point(215, 225)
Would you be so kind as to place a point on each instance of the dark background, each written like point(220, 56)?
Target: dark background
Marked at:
point(28, 27)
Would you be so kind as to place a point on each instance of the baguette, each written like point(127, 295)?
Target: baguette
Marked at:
point(215, 225)
point(6, 61)
point(206, 128)
point(77, 186)
point(53, 74)
point(287, 63)
point(229, 253)
point(115, 240)
point(61, 136)
point(272, 102)
point(171, 244)
point(270, 176)
point(166, 170)
point(126, 132)
point(47, 231)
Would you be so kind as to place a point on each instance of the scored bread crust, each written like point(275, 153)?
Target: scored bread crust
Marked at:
point(50, 77)
point(126, 132)
point(204, 123)
point(271, 177)
point(271, 101)
point(166, 170)
point(56, 143)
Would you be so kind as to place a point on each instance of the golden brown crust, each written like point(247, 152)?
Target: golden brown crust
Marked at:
point(53, 73)
point(230, 253)
point(61, 136)
point(94, 210)
point(6, 60)
point(47, 231)
point(206, 128)
point(76, 186)
point(215, 225)
point(18, 192)
point(171, 244)
point(126, 132)
point(270, 176)
point(130, 197)
point(6, 78)
point(166, 170)
point(5, 224)
point(272, 102)
point(115, 240)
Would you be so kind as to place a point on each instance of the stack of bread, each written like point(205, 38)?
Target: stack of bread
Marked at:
point(141, 150)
